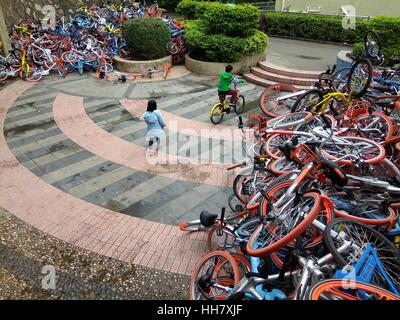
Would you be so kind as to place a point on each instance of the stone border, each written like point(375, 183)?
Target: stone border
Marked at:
point(141, 66)
point(215, 68)
point(343, 61)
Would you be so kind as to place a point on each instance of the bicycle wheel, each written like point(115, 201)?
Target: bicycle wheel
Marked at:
point(376, 127)
point(3, 75)
point(337, 289)
point(282, 165)
point(217, 113)
point(361, 235)
point(360, 78)
point(364, 207)
point(239, 105)
point(61, 71)
point(362, 149)
point(244, 186)
point(289, 120)
point(308, 100)
point(106, 68)
point(339, 80)
point(271, 146)
point(221, 238)
point(70, 57)
point(247, 228)
point(217, 267)
point(269, 103)
point(34, 76)
point(277, 232)
point(372, 44)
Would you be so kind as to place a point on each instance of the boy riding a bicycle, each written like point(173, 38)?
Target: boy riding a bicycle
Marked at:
point(226, 79)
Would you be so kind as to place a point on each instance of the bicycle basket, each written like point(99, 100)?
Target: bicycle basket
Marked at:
point(257, 122)
point(357, 108)
point(303, 154)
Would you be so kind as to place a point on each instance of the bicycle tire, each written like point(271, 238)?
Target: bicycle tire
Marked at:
point(333, 287)
point(340, 212)
point(267, 102)
point(219, 107)
point(225, 238)
point(3, 76)
point(290, 120)
point(276, 166)
point(239, 105)
point(377, 156)
point(253, 249)
point(314, 94)
point(351, 80)
point(390, 252)
point(230, 279)
point(384, 122)
point(372, 44)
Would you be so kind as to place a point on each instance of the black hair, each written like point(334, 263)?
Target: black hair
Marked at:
point(228, 68)
point(151, 105)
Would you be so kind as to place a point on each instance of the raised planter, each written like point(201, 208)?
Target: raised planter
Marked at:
point(140, 66)
point(215, 68)
point(343, 61)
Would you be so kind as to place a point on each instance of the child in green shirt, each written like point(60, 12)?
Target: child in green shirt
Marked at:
point(224, 85)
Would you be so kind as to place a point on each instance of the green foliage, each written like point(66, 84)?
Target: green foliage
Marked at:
point(326, 28)
point(222, 33)
point(146, 37)
point(220, 47)
point(239, 21)
point(192, 9)
point(358, 50)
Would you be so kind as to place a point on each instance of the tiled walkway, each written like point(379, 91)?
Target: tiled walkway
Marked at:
point(72, 164)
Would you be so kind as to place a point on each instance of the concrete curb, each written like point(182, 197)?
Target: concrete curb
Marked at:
point(141, 66)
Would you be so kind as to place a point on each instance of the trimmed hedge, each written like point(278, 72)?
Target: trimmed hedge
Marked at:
point(327, 28)
point(146, 37)
point(220, 47)
point(192, 9)
point(234, 21)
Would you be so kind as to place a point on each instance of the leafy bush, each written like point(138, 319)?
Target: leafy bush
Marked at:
point(192, 9)
point(358, 50)
point(326, 28)
point(232, 21)
point(220, 47)
point(146, 37)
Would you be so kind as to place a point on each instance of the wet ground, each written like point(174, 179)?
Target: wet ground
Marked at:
point(27, 254)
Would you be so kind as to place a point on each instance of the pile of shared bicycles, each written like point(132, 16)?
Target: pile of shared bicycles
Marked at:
point(315, 206)
point(87, 41)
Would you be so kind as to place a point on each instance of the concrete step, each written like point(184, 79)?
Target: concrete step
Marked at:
point(250, 77)
point(281, 78)
point(270, 67)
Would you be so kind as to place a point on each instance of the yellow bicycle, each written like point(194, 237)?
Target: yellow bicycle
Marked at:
point(223, 106)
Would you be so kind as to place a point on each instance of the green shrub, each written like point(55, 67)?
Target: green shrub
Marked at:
point(328, 28)
point(235, 21)
point(192, 9)
point(255, 43)
point(219, 47)
point(146, 37)
point(358, 50)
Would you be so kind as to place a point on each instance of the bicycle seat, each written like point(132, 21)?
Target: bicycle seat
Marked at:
point(207, 219)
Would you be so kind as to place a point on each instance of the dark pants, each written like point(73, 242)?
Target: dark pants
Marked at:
point(222, 95)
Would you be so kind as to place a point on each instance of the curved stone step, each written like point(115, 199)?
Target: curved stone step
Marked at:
point(281, 78)
point(250, 77)
point(270, 67)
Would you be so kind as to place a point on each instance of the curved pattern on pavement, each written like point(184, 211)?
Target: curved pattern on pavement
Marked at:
point(86, 225)
point(192, 127)
point(73, 121)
